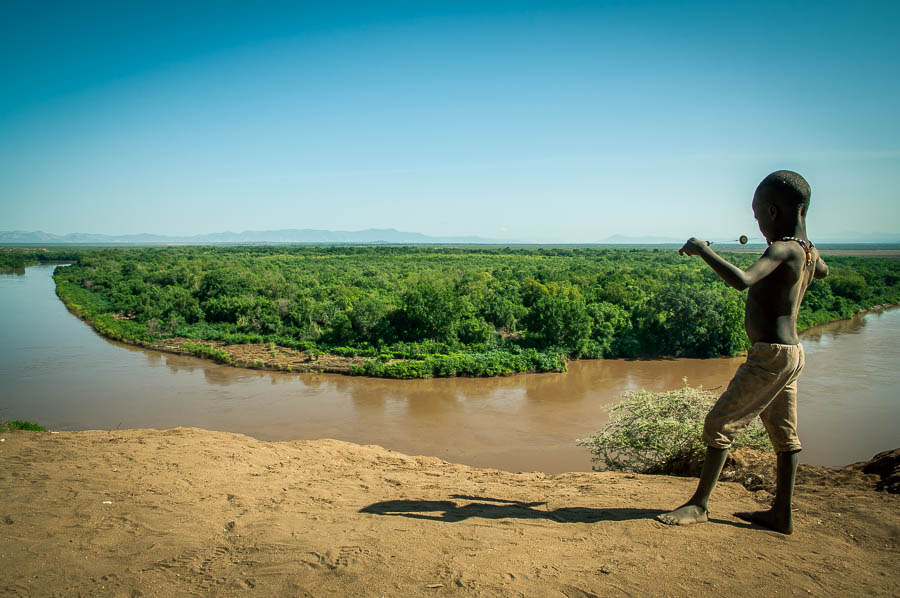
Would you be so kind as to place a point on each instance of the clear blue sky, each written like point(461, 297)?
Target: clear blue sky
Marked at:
point(545, 122)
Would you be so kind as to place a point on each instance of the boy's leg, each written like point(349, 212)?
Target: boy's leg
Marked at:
point(731, 413)
point(696, 510)
point(780, 419)
point(755, 384)
point(779, 517)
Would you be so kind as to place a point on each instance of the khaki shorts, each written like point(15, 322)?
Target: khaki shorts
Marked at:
point(764, 385)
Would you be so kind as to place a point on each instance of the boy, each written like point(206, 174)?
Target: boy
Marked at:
point(766, 384)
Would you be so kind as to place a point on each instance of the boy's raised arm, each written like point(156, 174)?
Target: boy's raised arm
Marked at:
point(774, 255)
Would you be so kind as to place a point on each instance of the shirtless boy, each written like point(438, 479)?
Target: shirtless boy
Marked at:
point(766, 384)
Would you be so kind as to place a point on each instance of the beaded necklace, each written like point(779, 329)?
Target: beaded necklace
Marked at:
point(808, 250)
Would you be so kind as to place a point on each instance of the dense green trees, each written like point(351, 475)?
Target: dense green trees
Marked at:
point(443, 310)
point(14, 259)
point(684, 319)
point(558, 316)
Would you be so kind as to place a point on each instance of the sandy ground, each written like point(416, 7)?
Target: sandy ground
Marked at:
point(187, 511)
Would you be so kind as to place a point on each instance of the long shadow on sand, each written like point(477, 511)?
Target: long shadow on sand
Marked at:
point(498, 508)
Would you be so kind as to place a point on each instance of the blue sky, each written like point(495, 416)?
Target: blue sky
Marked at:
point(544, 122)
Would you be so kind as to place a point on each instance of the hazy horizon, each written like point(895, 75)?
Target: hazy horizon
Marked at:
point(382, 236)
point(532, 122)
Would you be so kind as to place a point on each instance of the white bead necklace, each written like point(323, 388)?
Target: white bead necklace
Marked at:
point(808, 250)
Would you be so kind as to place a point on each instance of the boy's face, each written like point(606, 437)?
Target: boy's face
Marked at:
point(765, 213)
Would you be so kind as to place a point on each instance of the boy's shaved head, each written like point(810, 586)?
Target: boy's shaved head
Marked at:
point(786, 189)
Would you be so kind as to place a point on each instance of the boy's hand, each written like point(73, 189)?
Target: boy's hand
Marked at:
point(693, 246)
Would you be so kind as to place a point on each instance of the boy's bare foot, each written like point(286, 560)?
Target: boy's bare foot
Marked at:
point(769, 519)
point(684, 515)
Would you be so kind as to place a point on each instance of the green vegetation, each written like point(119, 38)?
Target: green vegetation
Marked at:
point(411, 312)
point(647, 431)
point(15, 259)
point(18, 424)
point(487, 363)
point(209, 352)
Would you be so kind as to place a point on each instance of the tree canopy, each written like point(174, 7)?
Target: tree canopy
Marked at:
point(415, 303)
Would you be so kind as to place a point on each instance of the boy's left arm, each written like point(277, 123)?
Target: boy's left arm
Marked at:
point(774, 255)
point(821, 270)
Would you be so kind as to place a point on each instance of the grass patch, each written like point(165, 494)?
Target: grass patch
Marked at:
point(18, 424)
point(210, 352)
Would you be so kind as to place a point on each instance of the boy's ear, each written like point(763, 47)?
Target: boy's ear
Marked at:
point(773, 212)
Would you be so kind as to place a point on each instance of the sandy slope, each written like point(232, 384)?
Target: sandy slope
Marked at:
point(196, 512)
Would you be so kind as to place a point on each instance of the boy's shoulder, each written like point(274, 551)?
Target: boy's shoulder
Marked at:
point(786, 261)
point(785, 250)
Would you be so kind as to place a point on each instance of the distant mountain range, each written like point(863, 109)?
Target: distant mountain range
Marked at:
point(372, 236)
point(306, 235)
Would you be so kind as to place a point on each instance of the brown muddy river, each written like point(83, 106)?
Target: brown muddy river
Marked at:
point(54, 370)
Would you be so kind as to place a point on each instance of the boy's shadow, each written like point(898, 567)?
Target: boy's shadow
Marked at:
point(498, 508)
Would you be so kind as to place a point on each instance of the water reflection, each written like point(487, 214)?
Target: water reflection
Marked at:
point(827, 332)
point(56, 371)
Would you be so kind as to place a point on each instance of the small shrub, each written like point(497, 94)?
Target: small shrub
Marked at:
point(647, 430)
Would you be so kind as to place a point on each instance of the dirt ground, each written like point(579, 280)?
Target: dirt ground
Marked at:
point(889, 254)
point(193, 512)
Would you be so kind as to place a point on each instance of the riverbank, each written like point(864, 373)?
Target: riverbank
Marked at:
point(283, 359)
point(417, 312)
point(276, 358)
point(184, 511)
point(273, 357)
